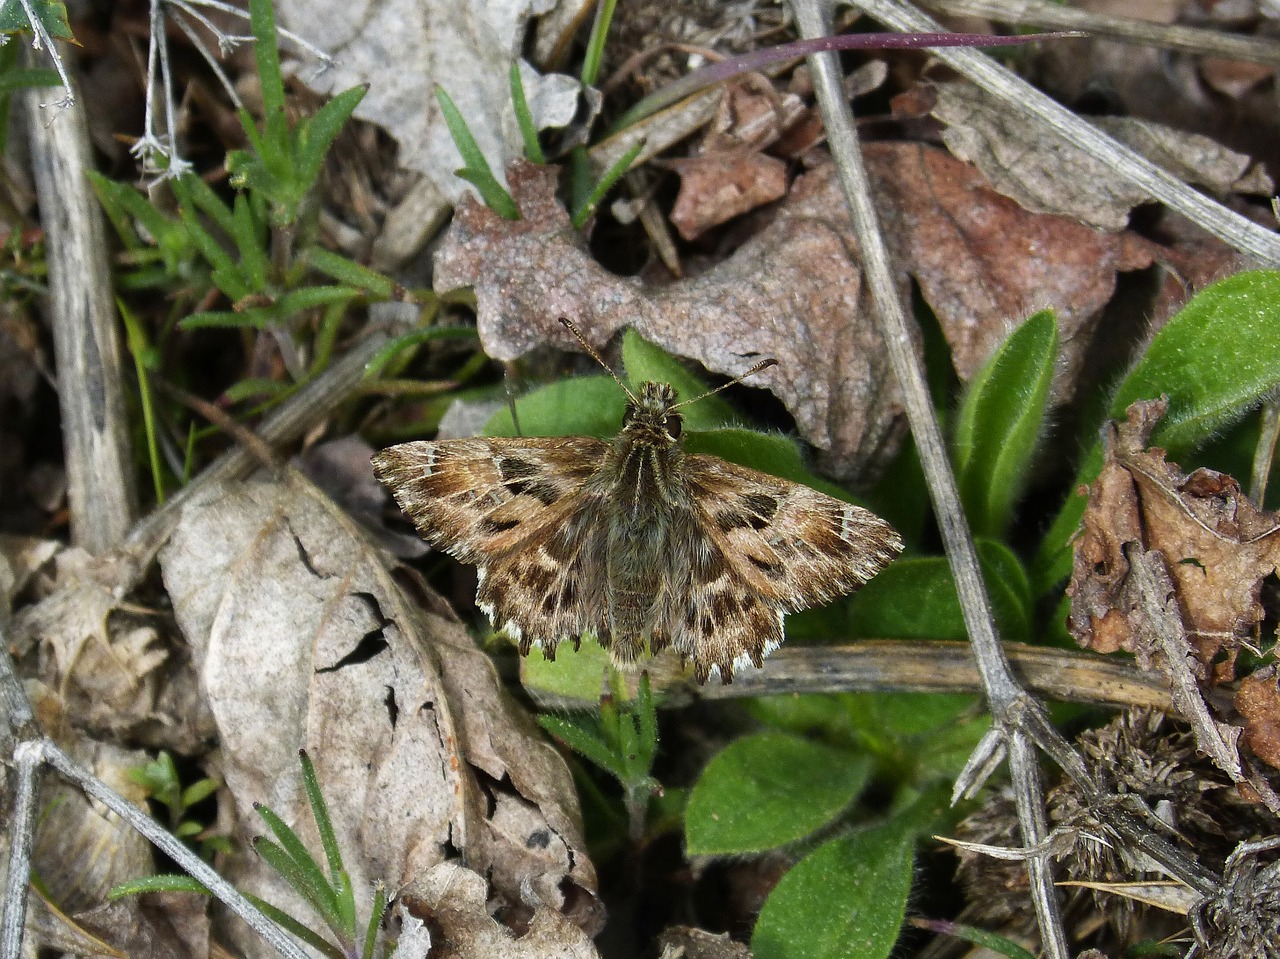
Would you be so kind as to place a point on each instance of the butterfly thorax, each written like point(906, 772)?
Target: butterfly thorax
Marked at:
point(643, 465)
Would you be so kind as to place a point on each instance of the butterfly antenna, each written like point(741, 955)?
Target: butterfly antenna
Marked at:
point(591, 351)
point(762, 365)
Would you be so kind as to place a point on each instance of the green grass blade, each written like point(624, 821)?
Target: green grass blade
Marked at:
point(317, 134)
point(595, 43)
point(528, 132)
point(292, 859)
point(477, 170)
point(375, 921)
point(585, 742)
point(139, 348)
point(296, 929)
point(161, 883)
point(611, 176)
point(350, 273)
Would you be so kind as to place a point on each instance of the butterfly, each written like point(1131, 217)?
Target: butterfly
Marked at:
point(635, 540)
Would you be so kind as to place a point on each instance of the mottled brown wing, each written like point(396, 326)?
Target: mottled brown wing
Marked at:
point(756, 548)
point(481, 498)
point(795, 546)
point(522, 511)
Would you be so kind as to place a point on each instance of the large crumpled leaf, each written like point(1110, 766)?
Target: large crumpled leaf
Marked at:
point(794, 289)
point(1037, 167)
point(402, 48)
point(790, 292)
point(302, 639)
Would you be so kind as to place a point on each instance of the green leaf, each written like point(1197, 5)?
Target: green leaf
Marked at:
point(572, 675)
point(767, 790)
point(351, 273)
point(916, 598)
point(188, 829)
point(317, 134)
point(251, 242)
point(999, 423)
point(295, 928)
point(262, 23)
point(584, 406)
point(11, 81)
point(847, 898)
point(52, 16)
point(162, 883)
point(296, 864)
point(647, 362)
point(588, 204)
point(477, 170)
point(528, 132)
point(414, 338)
point(1215, 361)
point(579, 735)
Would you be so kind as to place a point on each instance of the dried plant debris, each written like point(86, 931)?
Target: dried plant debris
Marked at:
point(1217, 546)
point(402, 48)
point(1241, 922)
point(1042, 171)
point(302, 638)
point(102, 664)
point(453, 903)
point(793, 290)
point(1170, 567)
point(1147, 765)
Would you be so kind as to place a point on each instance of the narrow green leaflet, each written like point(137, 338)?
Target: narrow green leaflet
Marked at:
point(767, 790)
point(1216, 360)
point(999, 423)
point(847, 898)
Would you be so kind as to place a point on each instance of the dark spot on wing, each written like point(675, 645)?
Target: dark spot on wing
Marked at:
point(706, 625)
point(514, 468)
point(690, 619)
point(569, 592)
point(538, 579)
point(492, 526)
point(550, 604)
point(755, 510)
point(768, 567)
point(724, 606)
point(707, 567)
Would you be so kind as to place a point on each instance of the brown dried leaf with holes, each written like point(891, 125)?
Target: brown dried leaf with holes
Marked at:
point(1212, 543)
point(794, 289)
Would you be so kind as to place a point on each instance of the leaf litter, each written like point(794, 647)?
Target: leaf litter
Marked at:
point(1170, 567)
point(301, 638)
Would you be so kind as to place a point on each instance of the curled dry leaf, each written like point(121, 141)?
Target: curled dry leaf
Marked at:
point(1217, 546)
point(302, 639)
point(1170, 567)
point(788, 292)
point(1258, 701)
point(719, 186)
point(454, 902)
point(794, 290)
point(105, 664)
point(1041, 170)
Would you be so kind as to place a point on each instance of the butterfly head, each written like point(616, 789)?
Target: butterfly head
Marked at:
point(651, 419)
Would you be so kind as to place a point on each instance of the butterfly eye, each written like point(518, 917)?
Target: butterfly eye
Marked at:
point(673, 424)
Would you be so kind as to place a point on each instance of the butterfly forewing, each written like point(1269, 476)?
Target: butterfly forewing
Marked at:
point(480, 498)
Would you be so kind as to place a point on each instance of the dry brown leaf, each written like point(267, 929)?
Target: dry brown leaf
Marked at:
point(789, 291)
point(794, 290)
point(302, 639)
point(686, 942)
point(104, 665)
point(1044, 173)
point(1258, 701)
point(984, 263)
point(719, 186)
point(1217, 546)
point(454, 902)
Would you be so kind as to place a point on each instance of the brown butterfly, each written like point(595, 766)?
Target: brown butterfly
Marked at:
point(635, 539)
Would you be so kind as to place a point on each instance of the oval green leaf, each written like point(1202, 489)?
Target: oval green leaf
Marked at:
point(999, 423)
point(916, 598)
point(767, 790)
point(847, 898)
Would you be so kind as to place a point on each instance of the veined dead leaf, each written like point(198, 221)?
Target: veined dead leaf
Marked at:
point(303, 639)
